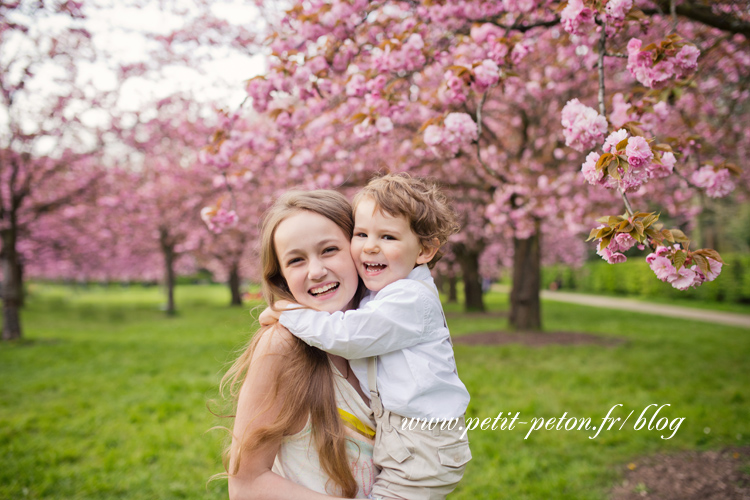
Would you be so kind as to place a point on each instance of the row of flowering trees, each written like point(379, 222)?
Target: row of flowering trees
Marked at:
point(91, 189)
point(538, 117)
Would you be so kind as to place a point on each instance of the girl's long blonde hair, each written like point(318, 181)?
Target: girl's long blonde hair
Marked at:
point(306, 383)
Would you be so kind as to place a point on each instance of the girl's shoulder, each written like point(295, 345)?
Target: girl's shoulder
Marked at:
point(275, 340)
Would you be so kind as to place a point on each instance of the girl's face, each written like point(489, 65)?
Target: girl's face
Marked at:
point(315, 261)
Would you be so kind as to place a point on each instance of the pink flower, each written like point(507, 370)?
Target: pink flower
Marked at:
point(610, 144)
point(583, 126)
point(356, 85)
point(482, 32)
point(661, 110)
point(715, 270)
point(317, 64)
point(218, 219)
point(662, 267)
point(462, 126)
point(619, 115)
point(577, 18)
point(486, 75)
point(364, 129)
point(624, 241)
point(687, 58)
point(639, 152)
point(682, 279)
point(659, 171)
point(617, 258)
point(616, 10)
point(589, 169)
point(717, 184)
point(433, 135)
point(384, 124)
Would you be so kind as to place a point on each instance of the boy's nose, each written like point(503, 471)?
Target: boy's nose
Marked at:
point(370, 246)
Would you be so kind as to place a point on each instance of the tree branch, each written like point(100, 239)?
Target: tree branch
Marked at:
point(703, 14)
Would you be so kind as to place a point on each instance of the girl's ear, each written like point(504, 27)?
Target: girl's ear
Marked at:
point(428, 252)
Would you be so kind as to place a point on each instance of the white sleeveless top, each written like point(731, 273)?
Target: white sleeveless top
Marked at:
point(298, 459)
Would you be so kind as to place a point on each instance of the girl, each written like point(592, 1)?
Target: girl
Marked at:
point(303, 427)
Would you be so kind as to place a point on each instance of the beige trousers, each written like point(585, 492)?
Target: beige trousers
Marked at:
point(417, 462)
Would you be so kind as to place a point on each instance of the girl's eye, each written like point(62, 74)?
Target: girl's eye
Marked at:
point(294, 261)
point(330, 249)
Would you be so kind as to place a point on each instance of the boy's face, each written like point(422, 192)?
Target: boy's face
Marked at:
point(384, 248)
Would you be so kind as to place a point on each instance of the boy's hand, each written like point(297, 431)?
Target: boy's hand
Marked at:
point(268, 317)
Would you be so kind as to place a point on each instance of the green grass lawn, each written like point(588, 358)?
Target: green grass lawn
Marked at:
point(106, 397)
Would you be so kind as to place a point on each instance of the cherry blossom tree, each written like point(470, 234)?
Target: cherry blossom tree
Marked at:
point(48, 155)
point(494, 99)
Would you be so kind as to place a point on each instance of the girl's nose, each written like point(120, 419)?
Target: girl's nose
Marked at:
point(317, 269)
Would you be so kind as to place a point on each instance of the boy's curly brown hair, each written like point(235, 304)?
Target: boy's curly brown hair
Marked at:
point(422, 203)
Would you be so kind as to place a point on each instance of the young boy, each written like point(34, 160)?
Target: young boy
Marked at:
point(397, 341)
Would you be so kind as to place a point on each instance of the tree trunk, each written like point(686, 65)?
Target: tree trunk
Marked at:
point(21, 288)
point(525, 310)
point(167, 249)
point(234, 285)
point(453, 289)
point(11, 285)
point(468, 259)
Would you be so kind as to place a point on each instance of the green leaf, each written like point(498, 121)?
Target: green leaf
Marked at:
point(638, 227)
point(647, 221)
point(679, 236)
point(612, 171)
point(679, 259)
point(703, 263)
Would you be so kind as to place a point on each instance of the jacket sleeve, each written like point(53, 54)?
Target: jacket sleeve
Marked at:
point(395, 319)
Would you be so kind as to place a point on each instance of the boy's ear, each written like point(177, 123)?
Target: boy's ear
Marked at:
point(428, 252)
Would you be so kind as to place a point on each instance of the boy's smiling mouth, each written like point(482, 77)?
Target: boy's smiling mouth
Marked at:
point(372, 268)
point(324, 289)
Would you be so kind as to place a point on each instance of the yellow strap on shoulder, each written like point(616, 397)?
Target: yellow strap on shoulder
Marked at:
point(356, 424)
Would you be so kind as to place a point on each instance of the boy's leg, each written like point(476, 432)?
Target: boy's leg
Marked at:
point(418, 464)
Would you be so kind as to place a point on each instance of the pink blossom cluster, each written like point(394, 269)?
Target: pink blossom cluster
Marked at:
point(486, 74)
point(583, 126)
point(717, 183)
point(616, 10)
point(686, 277)
point(621, 113)
point(260, 90)
point(455, 92)
point(641, 64)
point(407, 57)
point(217, 219)
point(612, 253)
point(577, 18)
point(640, 168)
point(458, 129)
point(368, 128)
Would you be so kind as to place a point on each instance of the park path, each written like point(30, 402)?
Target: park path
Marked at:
point(706, 315)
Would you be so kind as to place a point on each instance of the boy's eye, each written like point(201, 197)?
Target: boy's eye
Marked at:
point(360, 235)
point(388, 237)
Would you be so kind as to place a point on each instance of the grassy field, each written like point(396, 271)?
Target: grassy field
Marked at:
point(106, 397)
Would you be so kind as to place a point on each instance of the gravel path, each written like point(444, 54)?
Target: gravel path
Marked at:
point(707, 315)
